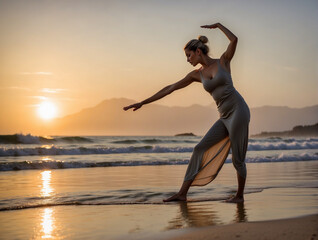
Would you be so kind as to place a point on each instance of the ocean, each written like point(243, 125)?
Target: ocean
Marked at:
point(26, 152)
point(92, 187)
point(23, 153)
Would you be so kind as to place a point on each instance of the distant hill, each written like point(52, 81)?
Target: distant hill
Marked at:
point(185, 135)
point(109, 118)
point(298, 131)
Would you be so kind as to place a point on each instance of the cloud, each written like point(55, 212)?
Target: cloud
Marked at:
point(39, 97)
point(55, 99)
point(69, 99)
point(36, 73)
point(53, 90)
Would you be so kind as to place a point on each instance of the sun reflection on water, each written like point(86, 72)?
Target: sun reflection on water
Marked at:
point(47, 146)
point(46, 184)
point(47, 223)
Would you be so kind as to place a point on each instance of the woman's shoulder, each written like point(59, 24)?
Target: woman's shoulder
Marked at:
point(225, 64)
point(195, 75)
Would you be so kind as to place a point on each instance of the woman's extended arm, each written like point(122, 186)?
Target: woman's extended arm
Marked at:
point(165, 91)
point(229, 53)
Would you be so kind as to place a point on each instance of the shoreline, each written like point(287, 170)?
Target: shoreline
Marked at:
point(113, 225)
point(288, 190)
point(296, 228)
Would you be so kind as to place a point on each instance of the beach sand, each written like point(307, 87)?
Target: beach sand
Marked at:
point(136, 211)
point(301, 228)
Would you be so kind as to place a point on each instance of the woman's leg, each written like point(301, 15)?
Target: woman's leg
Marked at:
point(216, 133)
point(182, 194)
point(239, 197)
point(239, 142)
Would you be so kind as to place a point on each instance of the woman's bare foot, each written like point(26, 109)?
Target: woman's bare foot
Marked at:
point(176, 197)
point(235, 199)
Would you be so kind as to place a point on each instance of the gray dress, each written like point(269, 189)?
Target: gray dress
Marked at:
point(229, 132)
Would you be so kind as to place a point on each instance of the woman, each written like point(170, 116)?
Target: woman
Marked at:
point(230, 131)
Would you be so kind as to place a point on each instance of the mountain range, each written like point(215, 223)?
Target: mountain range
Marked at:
point(109, 118)
point(297, 131)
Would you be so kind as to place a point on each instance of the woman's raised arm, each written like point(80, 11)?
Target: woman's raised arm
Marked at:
point(229, 53)
point(190, 78)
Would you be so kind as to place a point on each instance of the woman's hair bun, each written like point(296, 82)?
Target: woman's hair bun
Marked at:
point(200, 43)
point(203, 39)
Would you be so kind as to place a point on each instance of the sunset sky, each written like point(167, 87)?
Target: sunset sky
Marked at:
point(76, 53)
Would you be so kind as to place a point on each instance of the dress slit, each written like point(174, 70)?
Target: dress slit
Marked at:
point(212, 162)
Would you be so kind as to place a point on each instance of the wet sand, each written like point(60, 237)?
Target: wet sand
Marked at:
point(193, 220)
point(277, 191)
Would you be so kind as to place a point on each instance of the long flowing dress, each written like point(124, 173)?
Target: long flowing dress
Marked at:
point(229, 132)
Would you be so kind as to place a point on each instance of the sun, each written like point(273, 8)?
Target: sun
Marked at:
point(47, 110)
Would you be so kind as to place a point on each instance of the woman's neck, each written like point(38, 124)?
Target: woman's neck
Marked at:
point(207, 61)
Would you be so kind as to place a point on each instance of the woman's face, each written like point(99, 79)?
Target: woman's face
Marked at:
point(192, 57)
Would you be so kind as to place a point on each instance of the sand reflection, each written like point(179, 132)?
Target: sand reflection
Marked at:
point(240, 215)
point(46, 189)
point(193, 215)
point(47, 223)
point(200, 215)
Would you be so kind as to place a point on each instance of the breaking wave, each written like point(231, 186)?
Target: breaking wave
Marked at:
point(56, 164)
point(30, 139)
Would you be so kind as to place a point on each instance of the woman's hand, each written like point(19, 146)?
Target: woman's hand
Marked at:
point(135, 106)
point(215, 25)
